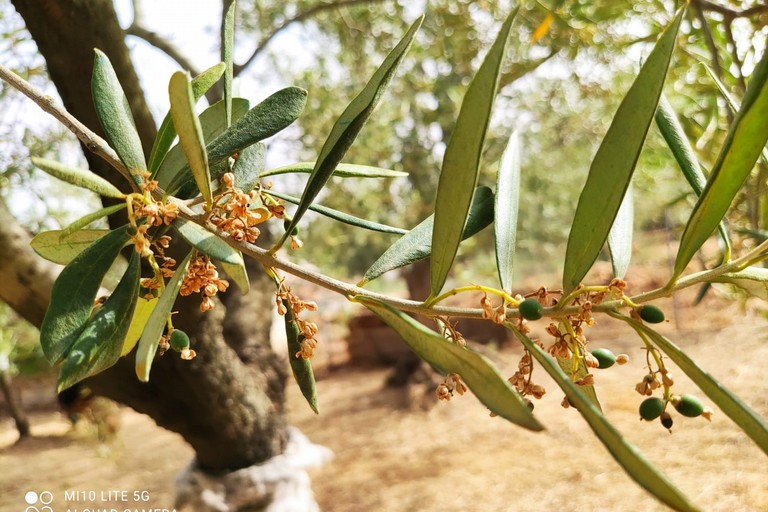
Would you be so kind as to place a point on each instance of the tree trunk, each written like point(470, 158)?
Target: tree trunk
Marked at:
point(229, 407)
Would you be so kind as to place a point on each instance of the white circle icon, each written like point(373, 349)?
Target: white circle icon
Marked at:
point(46, 497)
point(30, 497)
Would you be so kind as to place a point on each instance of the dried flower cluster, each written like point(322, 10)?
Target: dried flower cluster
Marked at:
point(154, 213)
point(522, 378)
point(202, 276)
point(233, 212)
point(497, 314)
point(451, 383)
point(308, 329)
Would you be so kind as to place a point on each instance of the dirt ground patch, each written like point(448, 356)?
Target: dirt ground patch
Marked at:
point(390, 455)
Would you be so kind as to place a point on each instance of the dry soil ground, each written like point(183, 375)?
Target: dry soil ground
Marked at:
point(393, 457)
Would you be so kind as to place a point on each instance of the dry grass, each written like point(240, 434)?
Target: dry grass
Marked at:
point(390, 456)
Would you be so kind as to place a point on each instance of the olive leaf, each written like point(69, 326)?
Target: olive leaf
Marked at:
point(190, 132)
point(78, 177)
point(115, 116)
point(347, 127)
point(228, 43)
point(213, 124)
point(301, 368)
point(88, 218)
point(74, 292)
point(139, 320)
point(461, 163)
point(479, 374)
point(248, 166)
point(158, 318)
point(506, 209)
point(614, 163)
point(581, 371)
point(620, 235)
point(741, 414)
point(342, 171)
point(742, 147)
point(167, 133)
point(753, 280)
point(264, 120)
point(62, 249)
point(674, 135)
point(625, 453)
point(341, 216)
point(99, 345)
point(417, 243)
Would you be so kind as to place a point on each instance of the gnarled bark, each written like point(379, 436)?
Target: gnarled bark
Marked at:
point(227, 406)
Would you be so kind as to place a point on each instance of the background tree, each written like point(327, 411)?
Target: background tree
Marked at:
point(264, 406)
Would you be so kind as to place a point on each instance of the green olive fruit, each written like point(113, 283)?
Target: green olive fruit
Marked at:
point(179, 340)
point(530, 309)
point(689, 405)
point(666, 420)
point(651, 408)
point(287, 223)
point(605, 358)
point(651, 314)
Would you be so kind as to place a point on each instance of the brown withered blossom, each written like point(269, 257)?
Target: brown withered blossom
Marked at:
point(202, 276)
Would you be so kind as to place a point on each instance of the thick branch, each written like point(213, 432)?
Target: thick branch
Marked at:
point(728, 12)
point(27, 279)
point(93, 142)
point(313, 11)
point(162, 44)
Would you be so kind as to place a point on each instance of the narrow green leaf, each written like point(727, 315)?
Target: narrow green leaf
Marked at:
point(461, 163)
point(115, 116)
point(213, 123)
point(78, 177)
point(479, 374)
point(249, 165)
point(741, 414)
point(190, 132)
point(612, 168)
point(506, 209)
point(581, 371)
point(237, 273)
point(228, 44)
point(87, 219)
point(343, 217)
point(63, 249)
point(99, 345)
point(139, 320)
point(150, 338)
point(74, 292)
point(625, 453)
point(348, 125)
point(342, 171)
point(264, 120)
point(417, 243)
point(674, 135)
point(732, 102)
point(742, 147)
point(167, 133)
point(206, 242)
point(230, 259)
point(753, 280)
point(620, 235)
point(301, 368)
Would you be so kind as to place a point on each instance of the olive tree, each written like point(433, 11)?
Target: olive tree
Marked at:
point(199, 206)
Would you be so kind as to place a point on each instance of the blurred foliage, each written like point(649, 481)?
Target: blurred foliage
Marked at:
point(561, 91)
point(19, 344)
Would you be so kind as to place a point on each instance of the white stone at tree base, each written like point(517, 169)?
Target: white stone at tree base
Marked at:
point(280, 484)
